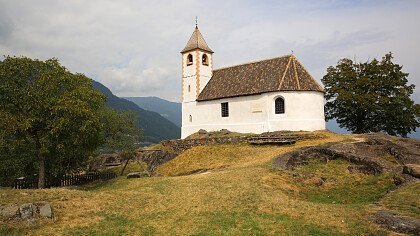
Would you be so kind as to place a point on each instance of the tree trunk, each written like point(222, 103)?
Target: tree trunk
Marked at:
point(126, 163)
point(41, 174)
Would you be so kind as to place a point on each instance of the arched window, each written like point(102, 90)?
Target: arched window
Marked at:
point(279, 105)
point(205, 60)
point(190, 118)
point(189, 59)
point(189, 88)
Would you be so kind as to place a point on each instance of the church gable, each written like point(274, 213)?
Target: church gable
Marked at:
point(278, 74)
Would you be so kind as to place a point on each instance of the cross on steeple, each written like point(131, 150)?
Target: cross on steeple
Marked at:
point(196, 22)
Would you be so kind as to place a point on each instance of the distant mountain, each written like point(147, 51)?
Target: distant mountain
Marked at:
point(156, 128)
point(167, 109)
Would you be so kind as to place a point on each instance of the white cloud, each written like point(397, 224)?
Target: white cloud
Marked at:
point(133, 46)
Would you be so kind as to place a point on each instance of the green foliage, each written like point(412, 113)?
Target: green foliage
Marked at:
point(47, 114)
point(371, 97)
point(120, 132)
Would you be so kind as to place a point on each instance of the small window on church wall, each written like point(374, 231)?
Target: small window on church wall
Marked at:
point(205, 60)
point(190, 118)
point(225, 109)
point(189, 59)
point(279, 106)
point(189, 88)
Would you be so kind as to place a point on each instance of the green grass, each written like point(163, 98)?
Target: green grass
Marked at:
point(241, 194)
point(405, 200)
point(339, 186)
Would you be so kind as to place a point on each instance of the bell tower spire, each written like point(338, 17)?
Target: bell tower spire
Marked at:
point(197, 65)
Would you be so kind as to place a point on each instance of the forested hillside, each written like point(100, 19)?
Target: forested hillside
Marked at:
point(156, 127)
point(167, 109)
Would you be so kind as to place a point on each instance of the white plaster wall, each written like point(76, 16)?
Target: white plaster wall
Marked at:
point(190, 74)
point(304, 110)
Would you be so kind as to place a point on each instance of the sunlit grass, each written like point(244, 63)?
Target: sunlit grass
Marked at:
point(240, 194)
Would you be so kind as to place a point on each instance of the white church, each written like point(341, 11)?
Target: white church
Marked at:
point(255, 97)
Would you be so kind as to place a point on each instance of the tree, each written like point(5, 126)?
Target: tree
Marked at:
point(49, 114)
point(371, 97)
point(120, 132)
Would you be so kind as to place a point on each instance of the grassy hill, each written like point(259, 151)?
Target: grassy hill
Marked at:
point(236, 191)
point(169, 110)
point(156, 127)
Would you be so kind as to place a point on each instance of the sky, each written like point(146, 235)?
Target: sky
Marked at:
point(133, 47)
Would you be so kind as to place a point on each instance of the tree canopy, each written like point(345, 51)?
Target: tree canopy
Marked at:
point(371, 96)
point(49, 117)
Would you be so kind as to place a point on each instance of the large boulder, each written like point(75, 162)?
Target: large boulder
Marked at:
point(394, 222)
point(44, 209)
point(412, 169)
point(9, 212)
point(26, 211)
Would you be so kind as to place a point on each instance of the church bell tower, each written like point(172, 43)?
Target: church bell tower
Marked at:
point(197, 66)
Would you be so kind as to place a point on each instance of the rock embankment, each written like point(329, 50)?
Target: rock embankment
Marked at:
point(172, 148)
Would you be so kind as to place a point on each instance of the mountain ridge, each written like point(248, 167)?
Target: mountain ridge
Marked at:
point(156, 128)
point(170, 110)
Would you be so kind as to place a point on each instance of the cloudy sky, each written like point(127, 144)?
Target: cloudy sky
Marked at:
point(133, 46)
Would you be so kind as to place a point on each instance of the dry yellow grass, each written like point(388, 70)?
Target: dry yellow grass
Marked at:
point(240, 195)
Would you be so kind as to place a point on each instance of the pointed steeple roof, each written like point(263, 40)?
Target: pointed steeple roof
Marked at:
point(196, 42)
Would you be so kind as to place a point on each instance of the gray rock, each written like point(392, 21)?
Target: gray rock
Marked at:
point(394, 222)
point(133, 175)
point(412, 169)
point(9, 212)
point(202, 131)
point(26, 211)
point(44, 209)
point(224, 132)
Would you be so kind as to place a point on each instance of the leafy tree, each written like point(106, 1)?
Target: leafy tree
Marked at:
point(371, 97)
point(120, 131)
point(47, 114)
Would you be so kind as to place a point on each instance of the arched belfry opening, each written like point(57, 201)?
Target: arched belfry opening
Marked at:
point(205, 60)
point(189, 59)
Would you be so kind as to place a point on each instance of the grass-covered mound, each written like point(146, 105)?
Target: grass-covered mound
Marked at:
point(234, 191)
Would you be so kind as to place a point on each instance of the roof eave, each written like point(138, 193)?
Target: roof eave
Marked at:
point(252, 94)
point(189, 50)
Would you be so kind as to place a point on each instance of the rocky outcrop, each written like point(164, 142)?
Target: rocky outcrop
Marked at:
point(412, 169)
point(369, 157)
point(397, 223)
point(28, 211)
point(155, 158)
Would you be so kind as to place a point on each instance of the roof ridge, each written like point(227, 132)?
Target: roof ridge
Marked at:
point(316, 82)
point(284, 73)
point(252, 62)
point(296, 73)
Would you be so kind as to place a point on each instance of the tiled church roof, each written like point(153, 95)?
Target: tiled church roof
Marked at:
point(196, 42)
point(278, 74)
